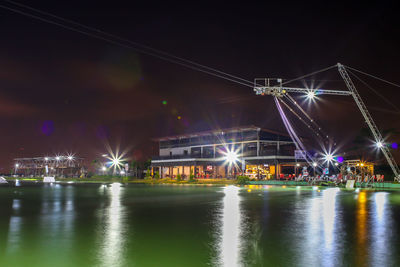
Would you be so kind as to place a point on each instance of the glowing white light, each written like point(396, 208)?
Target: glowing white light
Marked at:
point(231, 156)
point(117, 159)
point(16, 165)
point(379, 144)
point(328, 157)
point(70, 157)
point(103, 168)
point(57, 158)
point(336, 164)
point(311, 94)
point(46, 158)
point(314, 164)
point(122, 172)
point(116, 162)
point(298, 164)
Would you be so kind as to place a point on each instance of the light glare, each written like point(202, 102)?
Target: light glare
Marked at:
point(231, 156)
point(310, 94)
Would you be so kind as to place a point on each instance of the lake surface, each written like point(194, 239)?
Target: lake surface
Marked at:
point(171, 225)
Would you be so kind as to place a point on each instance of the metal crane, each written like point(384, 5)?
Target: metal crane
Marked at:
point(262, 87)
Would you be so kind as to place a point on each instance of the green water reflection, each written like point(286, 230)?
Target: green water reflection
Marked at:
point(167, 225)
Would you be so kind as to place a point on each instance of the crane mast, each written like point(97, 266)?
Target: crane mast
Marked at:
point(370, 122)
point(262, 87)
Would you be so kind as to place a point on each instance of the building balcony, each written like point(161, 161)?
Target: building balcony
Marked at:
point(210, 156)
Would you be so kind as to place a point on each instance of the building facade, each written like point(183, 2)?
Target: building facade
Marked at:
point(259, 153)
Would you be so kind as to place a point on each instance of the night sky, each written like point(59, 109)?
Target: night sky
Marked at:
point(62, 91)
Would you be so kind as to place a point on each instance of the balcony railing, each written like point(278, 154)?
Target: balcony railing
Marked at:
point(210, 156)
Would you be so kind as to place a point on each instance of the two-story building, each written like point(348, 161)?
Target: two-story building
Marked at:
point(261, 153)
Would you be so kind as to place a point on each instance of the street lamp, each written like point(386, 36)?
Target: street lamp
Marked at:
point(15, 169)
point(314, 165)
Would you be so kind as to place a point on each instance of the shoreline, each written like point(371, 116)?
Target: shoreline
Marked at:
point(129, 181)
point(99, 180)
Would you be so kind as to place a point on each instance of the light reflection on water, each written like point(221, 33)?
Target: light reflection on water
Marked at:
point(14, 232)
point(381, 228)
point(57, 220)
point(361, 228)
point(254, 226)
point(112, 231)
point(319, 232)
point(231, 228)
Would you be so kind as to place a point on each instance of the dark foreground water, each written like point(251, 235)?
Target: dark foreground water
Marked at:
point(137, 225)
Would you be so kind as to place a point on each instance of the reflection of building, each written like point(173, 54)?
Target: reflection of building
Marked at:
point(59, 166)
point(261, 153)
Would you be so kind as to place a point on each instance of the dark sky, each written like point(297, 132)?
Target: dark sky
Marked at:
point(61, 91)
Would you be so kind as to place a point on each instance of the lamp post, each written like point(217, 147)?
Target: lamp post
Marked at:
point(314, 165)
point(15, 169)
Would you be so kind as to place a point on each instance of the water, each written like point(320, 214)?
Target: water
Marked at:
point(170, 225)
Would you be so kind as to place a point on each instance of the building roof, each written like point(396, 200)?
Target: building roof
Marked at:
point(217, 131)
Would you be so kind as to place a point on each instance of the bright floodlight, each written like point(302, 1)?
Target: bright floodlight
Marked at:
point(70, 157)
point(231, 157)
point(116, 161)
point(17, 165)
point(314, 164)
point(328, 157)
point(310, 94)
point(57, 158)
point(336, 164)
point(46, 158)
point(104, 168)
point(298, 164)
point(379, 144)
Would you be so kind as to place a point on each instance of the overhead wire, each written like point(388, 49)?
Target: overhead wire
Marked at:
point(373, 76)
point(318, 129)
point(289, 128)
point(375, 91)
point(318, 135)
point(128, 41)
point(141, 49)
point(107, 37)
point(310, 74)
point(206, 70)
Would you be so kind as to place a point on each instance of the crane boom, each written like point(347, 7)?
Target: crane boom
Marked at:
point(370, 122)
point(262, 87)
